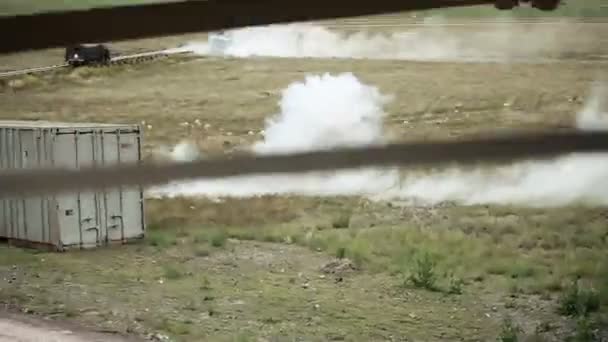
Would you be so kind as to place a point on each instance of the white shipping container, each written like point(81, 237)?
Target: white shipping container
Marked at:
point(76, 220)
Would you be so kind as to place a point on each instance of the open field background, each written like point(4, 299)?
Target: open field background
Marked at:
point(307, 268)
point(13, 7)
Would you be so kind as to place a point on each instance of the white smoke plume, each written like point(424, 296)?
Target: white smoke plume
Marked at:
point(185, 151)
point(428, 42)
point(594, 115)
point(327, 111)
point(321, 112)
point(575, 178)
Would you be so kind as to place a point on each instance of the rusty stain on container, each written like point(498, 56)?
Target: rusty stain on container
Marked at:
point(77, 220)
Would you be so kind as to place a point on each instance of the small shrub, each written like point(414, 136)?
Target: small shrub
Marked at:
point(515, 289)
point(175, 327)
point(578, 302)
point(341, 252)
point(537, 337)
point(161, 239)
point(359, 252)
point(243, 337)
point(509, 331)
point(510, 304)
point(272, 238)
point(341, 221)
point(245, 235)
point(455, 286)
point(522, 271)
point(172, 273)
point(218, 238)
point(182, 233)
point(544, 327)
point(568, 302)
point(424, 275)
point(498, 267)
point(205, 284)
point(553, 285)
point(70, 313)
point(586, 331)
point(202, 252)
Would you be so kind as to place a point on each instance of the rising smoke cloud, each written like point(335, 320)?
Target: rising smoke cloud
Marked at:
point(430, 41)
point(321, 112)
point(339, 110)
point(574, 178)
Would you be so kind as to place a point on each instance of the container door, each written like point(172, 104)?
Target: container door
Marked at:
point(112, 196)
point(16, 206)
point(123, 205)
point(90, 218)
point(133, 201)
point(3, 201)
point(77, 212)
point(9, 204)
point(34, 222)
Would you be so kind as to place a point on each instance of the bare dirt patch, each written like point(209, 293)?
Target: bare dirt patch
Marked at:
point(23, 328)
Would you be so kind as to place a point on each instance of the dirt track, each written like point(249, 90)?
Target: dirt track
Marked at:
point(18, 328)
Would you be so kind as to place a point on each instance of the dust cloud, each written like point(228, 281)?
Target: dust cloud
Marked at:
point(429, 41)
point(320, 112)
point(184, 151)
point(574, 178)
point(326, 111)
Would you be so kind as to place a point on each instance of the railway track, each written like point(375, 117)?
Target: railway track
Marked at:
point(117, 60)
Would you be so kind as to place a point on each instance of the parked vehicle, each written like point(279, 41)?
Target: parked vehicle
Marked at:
point(86, 54)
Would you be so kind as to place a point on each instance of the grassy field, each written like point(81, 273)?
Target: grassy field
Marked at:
point(572, 8)
point(14, 7)
point(310, 269)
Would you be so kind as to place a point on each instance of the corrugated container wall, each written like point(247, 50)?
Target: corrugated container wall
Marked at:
point(76, 220)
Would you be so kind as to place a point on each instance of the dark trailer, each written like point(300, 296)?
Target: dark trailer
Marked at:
point(85, 54)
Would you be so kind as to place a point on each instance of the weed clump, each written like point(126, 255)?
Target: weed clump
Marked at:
point(341, 221)
point(586, 331)
point(509, 331)
point(341, 252)
point(424, 274)
point(202, 252)
point(172, 273)
point(161, 239)
point(576, 301)
point(455, 286)
point(216, 238)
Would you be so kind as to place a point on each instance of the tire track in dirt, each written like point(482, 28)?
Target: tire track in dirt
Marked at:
point(19, 328)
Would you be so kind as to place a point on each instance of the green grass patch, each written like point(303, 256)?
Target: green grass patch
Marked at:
point(14, 7)
point(510, 331)
point(175, 327)
point(161, 238)
point(577, 301)
point(423, 275)
point(216, 237)
point(585, 331)
point(172, 273)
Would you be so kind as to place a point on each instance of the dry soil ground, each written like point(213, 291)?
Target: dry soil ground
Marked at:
point(21, 328)
point(277, 268)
